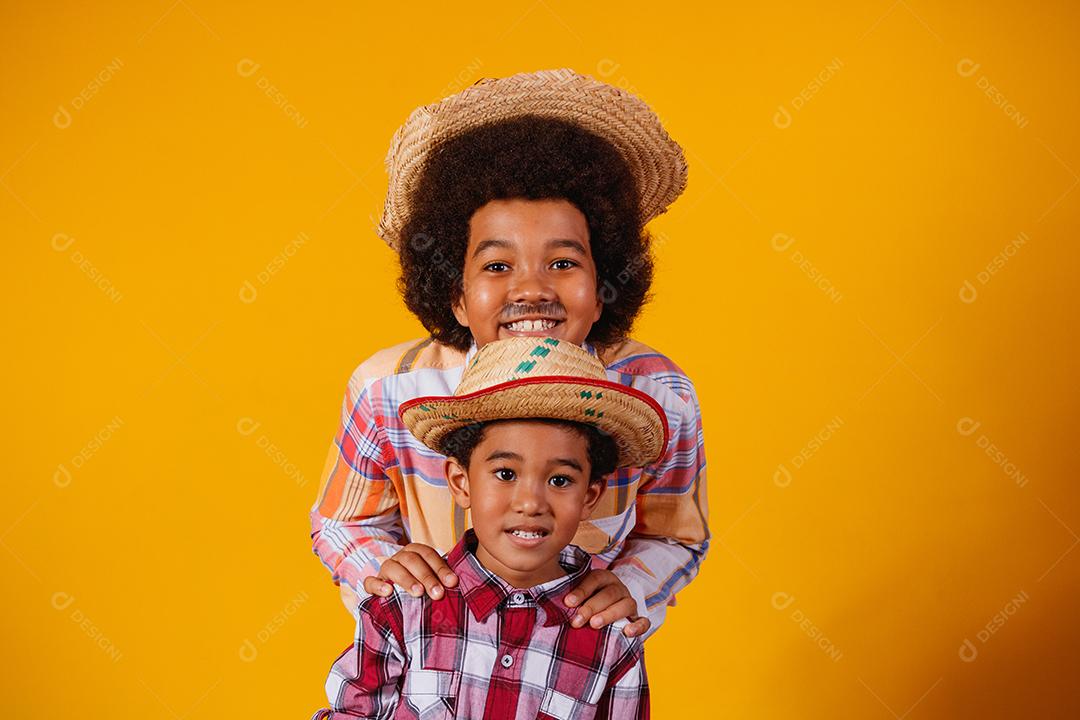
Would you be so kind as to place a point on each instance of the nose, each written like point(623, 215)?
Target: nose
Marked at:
point(531, 286)
point(529, 497)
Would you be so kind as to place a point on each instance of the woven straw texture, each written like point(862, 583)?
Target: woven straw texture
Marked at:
point(542, 377)
point(656, 161)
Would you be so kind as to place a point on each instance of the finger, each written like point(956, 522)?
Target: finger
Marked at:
point(589, 584)
point(436, 562)
point(621, 609)
point(604, 598)
point(377, 586)
point(422, 573)
point(638, 627)
point(602, 601)
point(394, 571)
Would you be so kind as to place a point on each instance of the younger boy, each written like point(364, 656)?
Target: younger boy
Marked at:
point(529, 436)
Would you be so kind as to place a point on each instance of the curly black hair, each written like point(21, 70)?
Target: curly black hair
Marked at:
point(601, 449)
point(535, 158)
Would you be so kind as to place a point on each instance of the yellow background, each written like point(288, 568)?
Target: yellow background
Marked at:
point(164, 437)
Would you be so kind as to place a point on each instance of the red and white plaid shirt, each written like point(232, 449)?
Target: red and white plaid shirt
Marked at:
point(487, 650)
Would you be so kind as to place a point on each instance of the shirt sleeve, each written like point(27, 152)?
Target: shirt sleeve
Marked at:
point(356, 521)
point(626, 696)
point(670, 538)
point(365, 680)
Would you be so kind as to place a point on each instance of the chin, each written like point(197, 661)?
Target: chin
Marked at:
point(521, 560)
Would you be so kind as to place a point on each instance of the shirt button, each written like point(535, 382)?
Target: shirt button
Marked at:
point(506, 661)
point(518, 598)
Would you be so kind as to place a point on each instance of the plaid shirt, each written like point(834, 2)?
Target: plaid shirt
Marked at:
point(487, 650)
point(380, 485)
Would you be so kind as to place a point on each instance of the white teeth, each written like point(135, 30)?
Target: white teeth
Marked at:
point(531, 325)
point(527, 535)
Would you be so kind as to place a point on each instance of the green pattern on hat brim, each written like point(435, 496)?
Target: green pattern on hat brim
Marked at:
point(529, 377)
point(634, 420)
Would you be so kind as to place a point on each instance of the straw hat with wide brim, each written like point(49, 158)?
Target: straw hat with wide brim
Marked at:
point(529, 377)
point(656, 161)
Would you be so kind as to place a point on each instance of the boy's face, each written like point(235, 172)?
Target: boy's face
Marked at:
point(529, 271)
point(527, 488)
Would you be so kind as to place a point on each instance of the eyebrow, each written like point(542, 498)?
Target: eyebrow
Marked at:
point(508, 455)
point(504, 455)
point(570, 462)
point(553, 243)
point(485, 244)
point(567, 243)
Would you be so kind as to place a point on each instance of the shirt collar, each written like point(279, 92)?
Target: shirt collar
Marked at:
point(484, 591)
point(587, 346)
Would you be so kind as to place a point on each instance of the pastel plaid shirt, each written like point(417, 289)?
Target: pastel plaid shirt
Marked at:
point(382, 488)
point(487, 650)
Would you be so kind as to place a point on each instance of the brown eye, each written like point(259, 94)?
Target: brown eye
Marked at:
point(505, 474)
point(560, 481)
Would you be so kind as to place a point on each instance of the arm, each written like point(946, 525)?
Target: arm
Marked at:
point(670, 538)
point(356, 522)
point(626, 696)
point(364, 681)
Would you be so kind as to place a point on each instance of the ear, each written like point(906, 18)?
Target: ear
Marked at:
point(459, 309)
point(457, 480)
point(593, 493)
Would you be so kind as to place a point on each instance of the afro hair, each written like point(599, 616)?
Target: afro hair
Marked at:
point(534, 158)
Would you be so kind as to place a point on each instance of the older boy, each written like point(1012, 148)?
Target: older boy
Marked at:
point(530, 434)
point(518, 209)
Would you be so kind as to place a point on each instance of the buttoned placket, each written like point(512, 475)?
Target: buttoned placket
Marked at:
point(517, 621)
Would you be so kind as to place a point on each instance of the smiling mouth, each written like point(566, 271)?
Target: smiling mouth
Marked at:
point(528, 534)
point(527, 538)
point(531, 325)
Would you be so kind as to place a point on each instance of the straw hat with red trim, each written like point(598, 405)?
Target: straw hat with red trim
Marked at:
point(530, 377)
point(627, 122)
